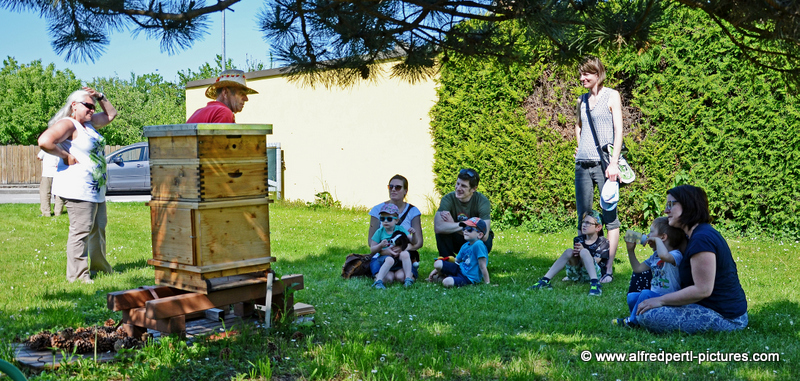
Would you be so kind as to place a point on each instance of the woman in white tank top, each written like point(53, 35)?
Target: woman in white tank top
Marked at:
point(81, 178)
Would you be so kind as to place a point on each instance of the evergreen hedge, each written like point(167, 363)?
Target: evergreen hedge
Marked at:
point(697, 111)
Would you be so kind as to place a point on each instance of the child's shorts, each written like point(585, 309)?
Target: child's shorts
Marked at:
point(376, 263)
point(578, 273)
point(452, 270)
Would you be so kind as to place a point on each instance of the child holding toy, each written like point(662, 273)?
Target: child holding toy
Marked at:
point(665, 241)
point(391, 261)
point(470, 266)
point(586, 260)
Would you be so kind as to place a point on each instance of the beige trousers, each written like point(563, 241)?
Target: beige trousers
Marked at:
point(44, 198)
point(87, 239)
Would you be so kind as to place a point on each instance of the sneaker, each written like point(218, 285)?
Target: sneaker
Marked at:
point(379, 285)
point(595, 289)
point(621, 322)
point(542, 284)
point(409, 282)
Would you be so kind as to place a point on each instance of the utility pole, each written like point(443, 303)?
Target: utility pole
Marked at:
point(223, 40)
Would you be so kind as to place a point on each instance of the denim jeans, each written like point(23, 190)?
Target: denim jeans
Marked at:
point(586, 178)
point(634, 298)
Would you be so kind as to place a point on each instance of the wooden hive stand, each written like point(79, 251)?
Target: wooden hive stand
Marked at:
point(166, 309)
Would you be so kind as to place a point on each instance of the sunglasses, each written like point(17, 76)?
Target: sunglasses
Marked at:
point(395, 187)
point(589, 223)
point(670, 204)
point(90, 106)
point(388, 218)
point(469, 229)
point(467, 172)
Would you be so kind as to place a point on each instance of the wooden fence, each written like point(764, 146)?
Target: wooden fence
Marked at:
point(19, 165)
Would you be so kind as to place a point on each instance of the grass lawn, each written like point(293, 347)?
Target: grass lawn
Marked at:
point(496, 332)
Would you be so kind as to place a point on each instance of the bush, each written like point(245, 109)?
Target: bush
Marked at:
point(696, 112)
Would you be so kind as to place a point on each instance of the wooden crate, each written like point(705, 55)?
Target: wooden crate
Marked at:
point(208, 179)
point(194, 242)
point(206, 162)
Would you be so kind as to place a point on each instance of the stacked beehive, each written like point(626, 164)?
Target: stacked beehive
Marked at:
point(209, 211)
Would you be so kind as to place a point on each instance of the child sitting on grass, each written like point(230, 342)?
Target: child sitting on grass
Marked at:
point(589, 251)
point(471, 261)
point(391, 261)
point(665, 241)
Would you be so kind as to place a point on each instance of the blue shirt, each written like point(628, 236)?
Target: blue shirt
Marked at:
point(467, 259)
point(728, 297)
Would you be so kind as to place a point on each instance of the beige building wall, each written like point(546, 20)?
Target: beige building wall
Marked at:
point(348, 142)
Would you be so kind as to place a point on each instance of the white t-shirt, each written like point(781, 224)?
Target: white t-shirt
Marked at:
point(414, 212)
point(49, 163)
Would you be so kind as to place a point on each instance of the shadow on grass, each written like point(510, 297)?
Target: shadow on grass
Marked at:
point(125, 266)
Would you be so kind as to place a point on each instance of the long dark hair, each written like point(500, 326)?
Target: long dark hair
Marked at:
point(694, 205)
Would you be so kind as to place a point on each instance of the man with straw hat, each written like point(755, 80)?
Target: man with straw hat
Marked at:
point(229, 92)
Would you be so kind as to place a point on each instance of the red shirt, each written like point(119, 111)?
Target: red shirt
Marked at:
point(214, 112)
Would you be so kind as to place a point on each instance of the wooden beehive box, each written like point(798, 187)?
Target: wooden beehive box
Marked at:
point(206, 162)
point(209, 211)
point(196, 242)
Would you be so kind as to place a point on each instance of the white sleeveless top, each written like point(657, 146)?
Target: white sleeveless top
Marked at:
point(86, 180)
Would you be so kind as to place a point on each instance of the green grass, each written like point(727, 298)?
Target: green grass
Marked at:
point(497, 332)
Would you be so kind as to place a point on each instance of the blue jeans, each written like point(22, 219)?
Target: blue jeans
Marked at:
point(691, 318)
point(634, 298)
point(585, 179)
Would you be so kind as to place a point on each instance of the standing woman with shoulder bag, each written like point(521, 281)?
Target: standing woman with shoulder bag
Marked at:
point(604, 106)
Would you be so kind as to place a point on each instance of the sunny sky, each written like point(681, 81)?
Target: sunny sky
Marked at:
point(26, 39)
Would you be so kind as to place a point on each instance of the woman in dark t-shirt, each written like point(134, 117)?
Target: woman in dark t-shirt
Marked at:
point(711, 297)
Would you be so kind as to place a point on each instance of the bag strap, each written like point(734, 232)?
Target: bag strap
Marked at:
point(603, 163)
point(403, 217)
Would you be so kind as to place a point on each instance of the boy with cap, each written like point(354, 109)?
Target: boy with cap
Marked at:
point(391, 260)
point(589, 251)
point(471, 261)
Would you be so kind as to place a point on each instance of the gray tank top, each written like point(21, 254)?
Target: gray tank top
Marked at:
point(603, 124)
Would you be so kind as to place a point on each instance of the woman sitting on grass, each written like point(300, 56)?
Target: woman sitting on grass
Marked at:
point(409, 215)
point(711, 297)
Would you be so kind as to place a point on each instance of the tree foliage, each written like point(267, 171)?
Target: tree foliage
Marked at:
point(338, 42)
point(143, 100)
point(702, 113)
point(32, 94)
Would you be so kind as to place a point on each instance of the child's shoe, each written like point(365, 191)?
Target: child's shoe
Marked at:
point(595, 289)
point(542, 284)
point(379, 285)
point(409, 282)
point(622, 322)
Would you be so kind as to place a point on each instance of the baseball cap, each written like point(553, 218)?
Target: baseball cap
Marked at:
point(475, 222)
point(390, 209)
point(609, 196)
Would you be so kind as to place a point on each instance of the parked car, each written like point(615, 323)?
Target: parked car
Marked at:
point(129, 169)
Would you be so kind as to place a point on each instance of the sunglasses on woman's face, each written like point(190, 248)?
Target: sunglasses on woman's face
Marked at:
point(395, 187)
point(387, 219)
point(90, 106)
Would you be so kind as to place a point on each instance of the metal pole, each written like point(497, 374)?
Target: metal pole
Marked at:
point(223, 40)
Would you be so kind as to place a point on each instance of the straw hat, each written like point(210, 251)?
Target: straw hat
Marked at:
point(229, 78)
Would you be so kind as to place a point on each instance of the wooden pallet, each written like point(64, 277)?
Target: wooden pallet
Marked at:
point(166, 309)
